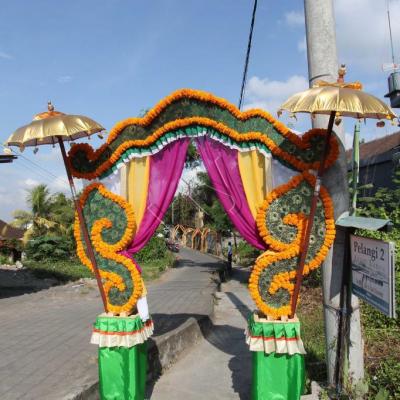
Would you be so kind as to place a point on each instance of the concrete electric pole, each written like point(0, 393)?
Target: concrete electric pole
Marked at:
point(323, 64)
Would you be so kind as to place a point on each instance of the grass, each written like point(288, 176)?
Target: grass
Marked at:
point(381, 352)
point(152, 270)
point(310, 313)
point(382, 359)
point(66, 271)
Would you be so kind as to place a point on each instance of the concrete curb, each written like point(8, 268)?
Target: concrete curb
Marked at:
point(164, 351)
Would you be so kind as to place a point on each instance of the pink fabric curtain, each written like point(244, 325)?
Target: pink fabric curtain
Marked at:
point(222, 166)
point(165, 171)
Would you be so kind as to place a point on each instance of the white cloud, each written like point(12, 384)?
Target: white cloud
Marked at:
point(6, 56)
point(64, 79)
point(270, 94)
point(60, 184)
point(52, 154)
point(29, 183)
point(189, 177)
point(302, 45)
point(348, 137)
point(363, 34)
point(294, 18)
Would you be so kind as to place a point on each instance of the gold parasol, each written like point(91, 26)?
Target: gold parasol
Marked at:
point(45, 128)
point(336, 100)
point(51, 127)
point(345, 99)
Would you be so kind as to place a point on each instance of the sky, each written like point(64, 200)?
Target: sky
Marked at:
point(112, 59)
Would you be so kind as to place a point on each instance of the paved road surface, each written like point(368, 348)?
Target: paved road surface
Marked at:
point(45, 352)
point(219, 367)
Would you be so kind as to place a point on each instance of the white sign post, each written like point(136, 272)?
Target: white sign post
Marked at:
point(373, 272)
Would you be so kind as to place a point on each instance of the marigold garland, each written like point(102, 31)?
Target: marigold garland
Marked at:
point(110, 251)
point(288, 250)
point(301, 142)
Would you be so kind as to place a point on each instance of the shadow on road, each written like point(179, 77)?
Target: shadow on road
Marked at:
point(20, 282)
point(226, 338)
point(186, 330)
point(231, 340)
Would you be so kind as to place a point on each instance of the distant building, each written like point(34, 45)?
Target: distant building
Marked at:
point(378, 160)
point(8, 236)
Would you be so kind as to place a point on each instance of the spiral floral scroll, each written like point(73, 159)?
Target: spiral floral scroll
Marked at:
point(111, 225)
point(281, 221)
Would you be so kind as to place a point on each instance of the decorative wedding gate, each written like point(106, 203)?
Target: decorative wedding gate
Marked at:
point(262, 172)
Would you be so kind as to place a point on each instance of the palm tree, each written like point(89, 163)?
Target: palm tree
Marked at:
point(48, 214)
point(39, 201)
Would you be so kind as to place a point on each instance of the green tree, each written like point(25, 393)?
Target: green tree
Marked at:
point(50, 220)
point(37, 221)
point(385, 203)
point(215, 215)
point(192, 156)
point(204, 192)
point(181, 211)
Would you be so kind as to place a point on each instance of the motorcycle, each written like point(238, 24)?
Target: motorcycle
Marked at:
point(172, 246)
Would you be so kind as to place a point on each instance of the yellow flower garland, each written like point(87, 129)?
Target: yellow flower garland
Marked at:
point(110, 251)
point(288, 250)
point(301, 142)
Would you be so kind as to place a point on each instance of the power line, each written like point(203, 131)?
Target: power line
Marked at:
point(390, 31)
point(37, 166)
point(246, 63)
point(40, 174)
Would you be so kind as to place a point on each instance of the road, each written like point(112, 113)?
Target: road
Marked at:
point(219, 366)
point(45, 352)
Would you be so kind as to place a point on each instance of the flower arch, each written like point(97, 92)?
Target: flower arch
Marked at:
point(261, 170)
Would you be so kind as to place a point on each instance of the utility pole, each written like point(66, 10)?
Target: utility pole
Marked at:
point(172, 213)
point(323, 64)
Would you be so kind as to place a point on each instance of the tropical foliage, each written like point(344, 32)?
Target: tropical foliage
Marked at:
point(48, 215)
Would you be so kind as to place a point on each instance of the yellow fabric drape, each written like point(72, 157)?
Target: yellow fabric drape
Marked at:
point(136, 183)
point(124, 181)
point(256, 172)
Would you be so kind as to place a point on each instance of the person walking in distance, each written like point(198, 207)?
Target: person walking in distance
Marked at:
point(229, 258)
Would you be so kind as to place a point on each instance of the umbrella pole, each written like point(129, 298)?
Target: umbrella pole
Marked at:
point(83, 226)
point(310, 222)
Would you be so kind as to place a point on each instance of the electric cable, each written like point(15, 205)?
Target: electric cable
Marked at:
point(36, 165)
point(39, 174)
point(246, 63)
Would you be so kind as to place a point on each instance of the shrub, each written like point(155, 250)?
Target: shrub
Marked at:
point(155, 249)
point(246, 253)
point(4, 259)
point(313, 279)
point(48, 248)
point(386, 376)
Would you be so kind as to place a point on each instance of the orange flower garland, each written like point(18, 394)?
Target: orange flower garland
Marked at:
point(109, 251)
point(300, 142)
point(288, 250)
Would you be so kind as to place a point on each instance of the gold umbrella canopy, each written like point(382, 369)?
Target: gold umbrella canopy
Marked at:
point(346, 99)
point(47, 126)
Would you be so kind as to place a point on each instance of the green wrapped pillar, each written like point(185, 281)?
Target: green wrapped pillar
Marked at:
point(278, 371)
point(122, 345)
